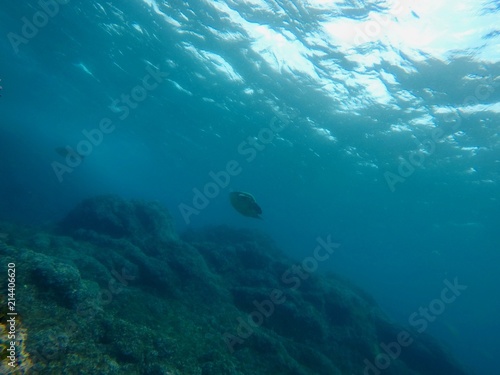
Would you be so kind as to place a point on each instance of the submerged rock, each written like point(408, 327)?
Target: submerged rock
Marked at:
point(105, 301)
point(144, 223)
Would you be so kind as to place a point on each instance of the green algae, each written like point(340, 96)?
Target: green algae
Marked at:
point(94, 303)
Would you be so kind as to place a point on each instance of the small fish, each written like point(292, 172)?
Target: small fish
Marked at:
point(245, 204)
point(68, 152)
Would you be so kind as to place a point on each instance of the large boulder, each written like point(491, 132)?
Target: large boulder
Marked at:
point(144, 223)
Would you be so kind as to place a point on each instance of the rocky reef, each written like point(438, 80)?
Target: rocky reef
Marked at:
point(114, 290)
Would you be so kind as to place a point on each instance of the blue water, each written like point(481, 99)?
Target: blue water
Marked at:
point(374, 123)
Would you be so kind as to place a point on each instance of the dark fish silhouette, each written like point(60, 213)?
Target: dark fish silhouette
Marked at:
point(245, 204)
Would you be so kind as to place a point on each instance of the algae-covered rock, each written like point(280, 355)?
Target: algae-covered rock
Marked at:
point(60, 278)
point(145, 223)
point(120, 293)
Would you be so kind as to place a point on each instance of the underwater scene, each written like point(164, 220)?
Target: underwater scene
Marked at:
point(276, 187)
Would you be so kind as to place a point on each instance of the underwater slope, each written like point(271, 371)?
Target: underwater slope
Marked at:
point(114, 290)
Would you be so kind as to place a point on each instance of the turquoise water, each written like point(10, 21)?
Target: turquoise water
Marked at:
point(374, 123)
